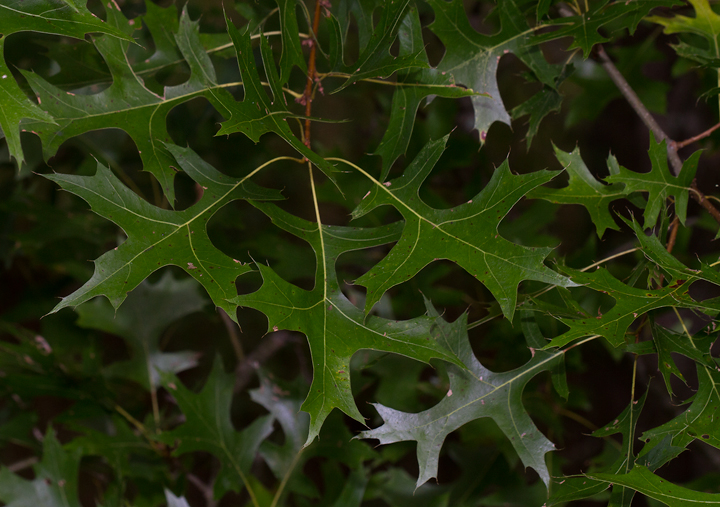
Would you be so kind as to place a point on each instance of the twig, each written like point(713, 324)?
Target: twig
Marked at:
point(232, 330)
point(23, 464)
point(205, 489)
point(691, 140)
point(653, 126)
point(307, 96)
point(264, 351)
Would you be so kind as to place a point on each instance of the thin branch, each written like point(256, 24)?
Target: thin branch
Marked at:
point(23, 464)
point(653, 126)
point(232, 330)
point(698, 137)
point(205, 489)
point(264, 351)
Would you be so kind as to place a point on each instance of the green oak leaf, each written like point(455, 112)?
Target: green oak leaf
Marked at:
point(546, 101)
point(656, 252)
point(667, 342)
point(644, 481)
point(141, 320)
point(334, 327)
point(55, 483)
point(659, 183)
point(466, 234)
point(631, 303)
point(128, 104)
point(158, 237)
point(412, 87)
point(583, 27)
point(698, 421)
point(51, 16)
point(208, 428)
point(472, 58)
point(474, 392)
point(576, 488)
point(705, 24)
point(583, 188)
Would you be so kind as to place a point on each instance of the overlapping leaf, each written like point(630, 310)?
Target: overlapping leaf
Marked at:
point(583, 188)
point(583, 27)
point(466, 234)
point(258, 114)
point(412, 88)
point(334, 327)
point(128, 104)
point(576, 488)
point(705, 24)
point(375, 59)
point(158, 237)
point(698, 421)
point(208, 428)
point(642, 480)
point(54, 17)
point(631, 303)
point(473, 58)
point(659, 183)
point(474, 392)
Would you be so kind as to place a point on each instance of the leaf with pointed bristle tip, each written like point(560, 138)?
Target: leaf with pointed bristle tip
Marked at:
point(474, 392)
point(158, 237)
point(467, 234)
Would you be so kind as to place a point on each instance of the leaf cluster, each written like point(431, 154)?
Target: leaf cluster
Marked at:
point(311, 233)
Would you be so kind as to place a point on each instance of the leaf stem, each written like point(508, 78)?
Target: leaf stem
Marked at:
point(285, 478)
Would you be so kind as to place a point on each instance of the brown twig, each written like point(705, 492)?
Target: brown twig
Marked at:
point(691, 140)
point(307, 96)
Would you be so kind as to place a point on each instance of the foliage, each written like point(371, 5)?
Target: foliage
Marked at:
point(298, 207)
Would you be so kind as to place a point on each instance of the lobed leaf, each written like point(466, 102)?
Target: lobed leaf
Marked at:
point(50, 16)
point(158, 237)
point(466, 234)
point(631, 303)
point(208, 428)
point(584, 27)
point(334, 327)
point(584, 189)
point(474, 392)
point(659, 183)
point(473, 58)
